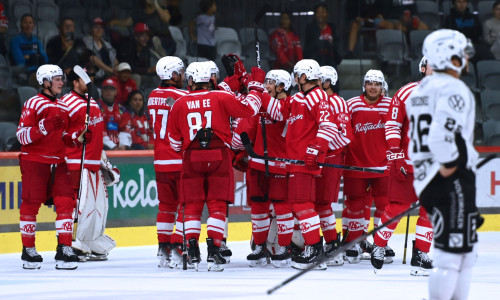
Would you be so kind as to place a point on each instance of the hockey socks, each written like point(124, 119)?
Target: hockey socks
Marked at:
point(285, 222)
point(260, 221)
point(165, 225)
point(309, 222)
point(27, 225)
point(327, 222)
point(423, 232)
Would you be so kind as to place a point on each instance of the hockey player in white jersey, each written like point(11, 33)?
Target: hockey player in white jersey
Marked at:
point(441, 112)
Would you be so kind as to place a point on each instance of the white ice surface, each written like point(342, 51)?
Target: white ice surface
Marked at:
point(132, 273)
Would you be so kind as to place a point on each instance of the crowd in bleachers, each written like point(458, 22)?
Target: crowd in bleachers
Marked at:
point(122, 40)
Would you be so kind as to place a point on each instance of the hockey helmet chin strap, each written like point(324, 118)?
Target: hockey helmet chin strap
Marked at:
point(50, 90)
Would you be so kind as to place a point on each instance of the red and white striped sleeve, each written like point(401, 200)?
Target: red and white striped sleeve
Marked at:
point(343, 121)
point(396, 115)
point(28, 130)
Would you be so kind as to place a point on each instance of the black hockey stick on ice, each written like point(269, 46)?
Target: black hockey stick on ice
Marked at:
point(83, 75)
point(406, 237)
point(184, 242)
point(248, 146)
point(340, 250)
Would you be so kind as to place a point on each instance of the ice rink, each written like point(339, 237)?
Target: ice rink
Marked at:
point(132, 273)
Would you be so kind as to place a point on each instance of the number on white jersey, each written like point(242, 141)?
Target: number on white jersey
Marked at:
point(419, 134)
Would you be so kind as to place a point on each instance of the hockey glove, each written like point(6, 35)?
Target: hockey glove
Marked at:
point(111, 176)
point(50, 124)
point(256, 80)
point(396, 164)
point(311, 159)
point(233, 65)
point(230, 84)
point(240, 161)
point(76, 139)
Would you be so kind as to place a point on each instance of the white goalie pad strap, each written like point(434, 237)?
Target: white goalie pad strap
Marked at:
point(102, 244)
point(125, 139)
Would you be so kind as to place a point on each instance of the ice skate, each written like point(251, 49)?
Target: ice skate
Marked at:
point(337, 260)
point(421, 264)
point(176, 259)
point(31, 259)
point(282, 258)
point(311, 255)
point(163, 255)
point(377, 258)
point(259, 256)
point(214, 258)
point(82, 256)
point(225, 251)
point(295, 251)
point(94, 256)
point(65, 258)
point(389, 255)
point(353, 254)
point(367, 248)
point(194, 254)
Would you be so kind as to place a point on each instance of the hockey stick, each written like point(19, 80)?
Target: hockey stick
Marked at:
point(406, 237)
point(83, 75)
point(340, 250)
point(184, 243)
point(259, 15)
point(248, 146)
point(486, 160)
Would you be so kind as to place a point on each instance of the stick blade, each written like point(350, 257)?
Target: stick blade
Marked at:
point(82, 74)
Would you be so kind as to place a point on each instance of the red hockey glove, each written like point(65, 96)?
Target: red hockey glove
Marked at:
point(230, 84)
point(50, 124)
point(396, 164)
point(256, 80)
point(240, 161)
point(311, 159)
point(76, 139)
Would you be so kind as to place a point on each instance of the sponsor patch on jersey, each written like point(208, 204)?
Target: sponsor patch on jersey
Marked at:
point(343, 117)
point(323, 105)
point(395, 101)
point(456, 102)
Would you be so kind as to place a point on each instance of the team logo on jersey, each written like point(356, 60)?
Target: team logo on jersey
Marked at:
point(323, 105)
point(395, 101)
point(305, 226)
point(95, 120)
point(25, 113)
point(437, 222)
point(456, 102)
point(291, 120)
point(325, 225)
point(282, 228)
point(386, 235)
point(456, 240)
point(343, 117)
point(429, 235)
point(67, 226)
point(28, 228)
point(355, 226)
point(368, 126)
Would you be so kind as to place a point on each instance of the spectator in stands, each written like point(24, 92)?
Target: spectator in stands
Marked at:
point(321, 42)
point(157, 19)
point(64, 50)
point(103, 54)
point(124, 83)
point(461, 19)
point(4, 25)
point(138, 51)
point(369, 16)
point(202, 29)
point(27, 50)
point(142, 135)
point(285, 44)
point(492, 30)
point(116, 121)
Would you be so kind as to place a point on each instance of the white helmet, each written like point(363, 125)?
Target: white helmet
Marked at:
point(280, 76)
point(167, 65)
point(292, 79)
point(422, 64)
point(328, 73)
point(310, 67)
point(374, 76)
point(441, 45)
point(201, 73)
point(190, 70)
point(46, 72)
point(385, 87)
point(213, 68)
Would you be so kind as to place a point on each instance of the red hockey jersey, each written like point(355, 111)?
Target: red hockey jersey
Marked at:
point(342, 120)
point(36, 146)
point(159, 106)
point(77, 110)
point(116, 125)
point(208, 109)
point(309, 121)
point(275, 140)
point(368, 145)
point(141, 131)
point(397, 123)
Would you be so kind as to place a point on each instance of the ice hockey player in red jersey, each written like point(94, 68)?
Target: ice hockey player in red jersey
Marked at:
point(167, 162)
point(116, 123)
point(401, 191)
point(91, 243)
point(328, 183)
point(362, 189)
point(200, 130)
point(262, 190)
point(309, 131)
point(43, 134)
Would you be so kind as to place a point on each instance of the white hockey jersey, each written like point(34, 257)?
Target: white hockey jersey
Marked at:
point(437, 109)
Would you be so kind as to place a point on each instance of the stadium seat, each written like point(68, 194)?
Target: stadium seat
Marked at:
point(247, 38)
point(391, 46)
point(491, 130)
point(7, 129)
point(26, 92)
point(181, 46)
point(488, 73)
point(227, 41)
point(47, 12)
point(21, 7)
point(470, 78)
point(416, 41)
point(427, 11)
point(490, 103)
point(348, 94)
point(484, 10)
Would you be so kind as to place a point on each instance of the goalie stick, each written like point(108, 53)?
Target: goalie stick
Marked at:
point(248, 147)
point(340, 250)
point(83, 75)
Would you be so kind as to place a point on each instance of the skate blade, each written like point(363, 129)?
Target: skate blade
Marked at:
point(261, 262)
point(82, 258)
point(300, 266)
point(62, 265)
point(163, 263)
point(388, 260)
point(418, 271)
point(336, 262)
point(178, 265)
point(31, 265)
point(213, 267)
point(282, 263)
point(227, 258)
point(365, 256)
point(375, 270)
